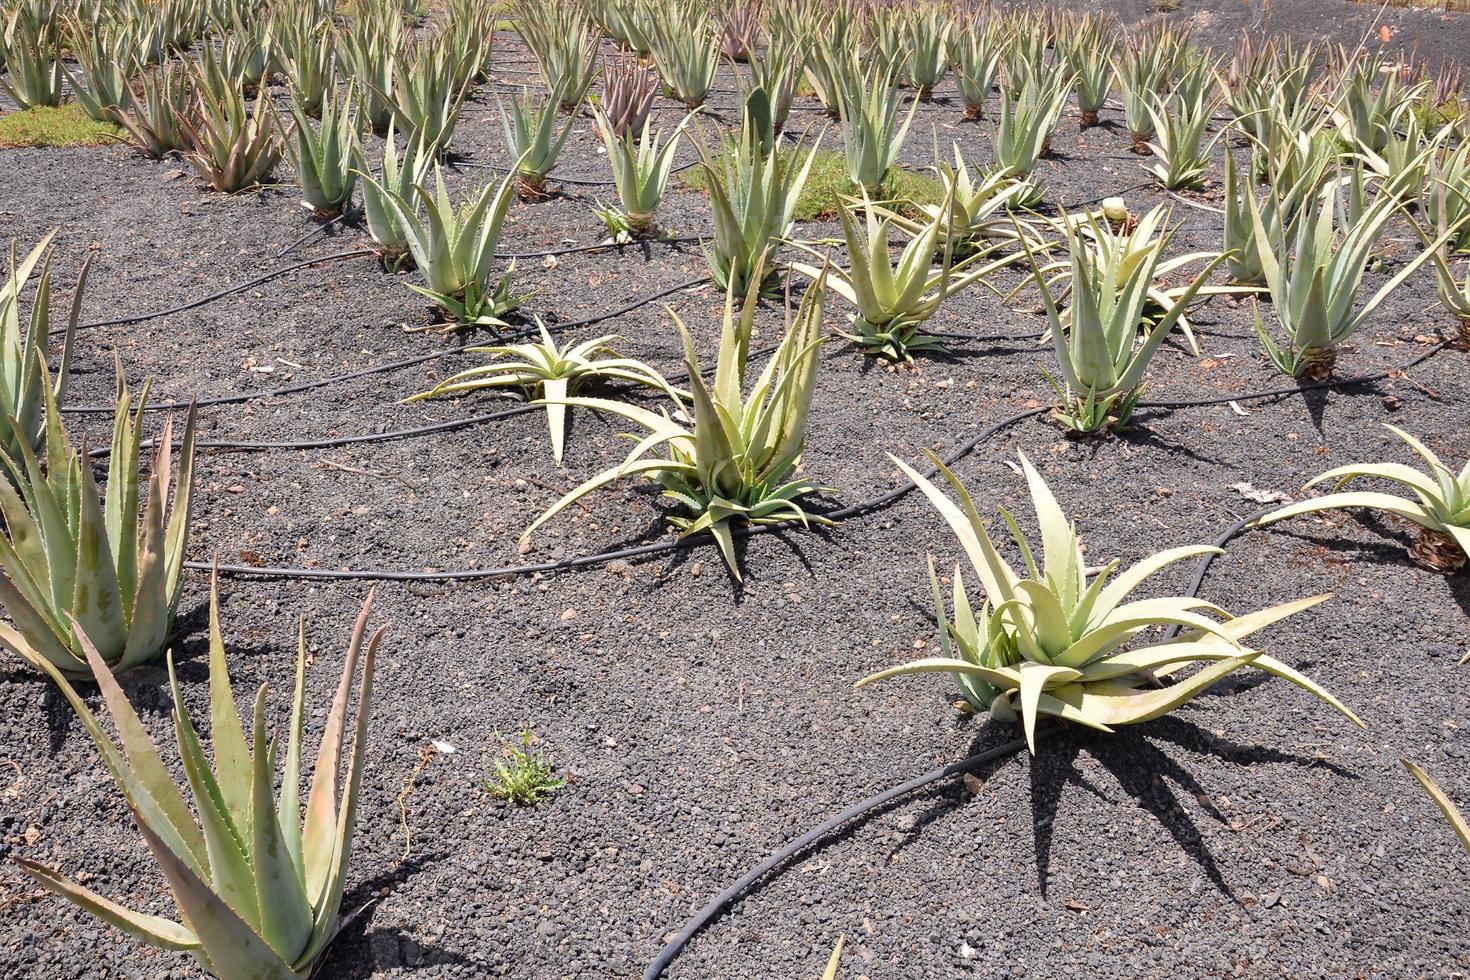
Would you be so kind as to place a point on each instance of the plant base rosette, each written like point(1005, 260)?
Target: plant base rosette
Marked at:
point(1437, 552)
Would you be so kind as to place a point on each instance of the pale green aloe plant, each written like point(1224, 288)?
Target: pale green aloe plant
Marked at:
point(1179, 143)
point(1279, 210)
point(399, 176)
point(640, 169)
point(895, 300)
point(873, 129)
point(1103, 343)
point(1442, 511)
point(930, 31)
point(1089, 53)
point(980, 208)
point(454, 249)
point(549, 372)
point(686, 48)
point(753, 197)
point(1050, 643)
point(737, 461)
point(1124, 245)
point(73, 563)
point(327, 162)
point(105, 55)
point(23, 349)
point(535, 137)
point(258, 887)
point(1024, 131)
point(1314, 277)
point(30, 52)
point(978, 44)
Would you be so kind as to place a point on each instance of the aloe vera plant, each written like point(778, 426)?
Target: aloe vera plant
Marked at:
point(369, 47)
point(873, 130)
point(1090, 53)
point(534, 135)
point(929, 30)
point(1314, 277)
point(564, 43)
point(737, 462)
point(306, 56)
point(257, 885)
point(454, 249)
point(232, 146)
point(426, 96)
point(686, 49)
point(1442, 510)
point(753, 196)
point(1103, 343)
point(155, 117)
point(104, 55)
point(627, 95)
point(399, 175)
point(1048, 642)
point(640, 171)
point(74, 565)
point(1453, 291)
point(328, 161)
point(1024, 131)
point(1179, 141)
point(30, 51)
point(979, 43)
point(1279, 209)
point(23, 349)
point(895, 300)
point(549, 372)
point(980, 211)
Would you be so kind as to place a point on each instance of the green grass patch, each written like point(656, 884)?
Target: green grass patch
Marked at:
point(828, 179)
point(65, 125)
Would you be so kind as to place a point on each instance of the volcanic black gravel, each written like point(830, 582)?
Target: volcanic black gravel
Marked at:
point(701, 722)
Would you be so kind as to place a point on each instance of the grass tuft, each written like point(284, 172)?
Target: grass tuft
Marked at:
point(66, 125)
point(828, 178)
point(522, 776)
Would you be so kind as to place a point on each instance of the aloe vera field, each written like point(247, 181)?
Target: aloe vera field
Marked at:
point(734, 489)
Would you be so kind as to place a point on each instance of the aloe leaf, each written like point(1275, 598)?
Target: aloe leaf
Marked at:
point(285, 914)
point(151, 929)
point(225, 839)
point(226, 733)
point(1442, 800)
point(321, 804)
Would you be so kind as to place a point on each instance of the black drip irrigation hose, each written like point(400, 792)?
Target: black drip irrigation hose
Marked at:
point(744, 531)
point(599, 246)
point(389, 366)
point(582, 561)
point(727, 897)
point(221, 294)
point(731, 894)
point(318, 229)
point(569, 181)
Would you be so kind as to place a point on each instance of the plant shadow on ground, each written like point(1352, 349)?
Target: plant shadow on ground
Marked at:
point(1394, 550)
point(1143, 771)
point(350, 956)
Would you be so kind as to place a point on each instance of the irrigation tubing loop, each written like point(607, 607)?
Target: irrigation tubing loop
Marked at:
point(395, 365)
point(744, 531)
point(221, 294)
point(731, 894)
point(727, 897)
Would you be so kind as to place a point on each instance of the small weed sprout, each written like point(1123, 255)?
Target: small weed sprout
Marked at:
point(523, 776)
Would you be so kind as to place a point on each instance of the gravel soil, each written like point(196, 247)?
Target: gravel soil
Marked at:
point(702, 722)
